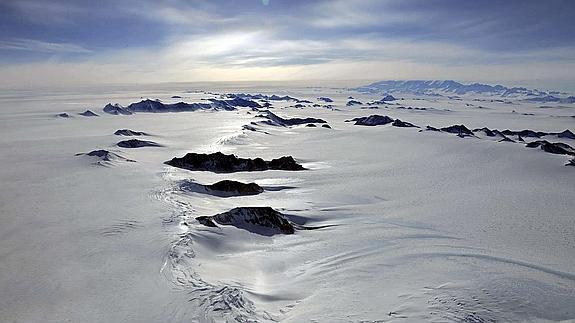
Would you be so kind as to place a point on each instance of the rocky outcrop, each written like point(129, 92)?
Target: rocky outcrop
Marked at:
point(105, 157)
point(221, 163)
point(156, 106)
point(88, 113)
point(236, 188)
point(128, 132)
point(326, 126)
point(571, 162)
point(310, 125)
point(351, 103)
point(325, 99)
point(403, 124)
point(275, 120)
point(566, 134)
point(524, 133)
point(116, 109)
point(373, 120)
point(263, 220)
point(554, 148)
point(459, 130)
point(225, 188)
point(63, 115)
point(236, 102)
point(136, 143)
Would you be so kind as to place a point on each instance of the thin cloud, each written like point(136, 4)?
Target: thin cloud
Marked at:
point(32, 45)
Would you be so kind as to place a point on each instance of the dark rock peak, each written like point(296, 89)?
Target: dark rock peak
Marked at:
point(566, 134)
point(524, 133)
point(176, 97)
point(136, 143)
point(263, 220)
point(488, 132)
point(325, 99)
point(310, 125)
point(236, 187)
point(221, 163)
point(63, 115)
point(554, 148)
point(116, 109)
point(128, 132)
point(372, 120)
point(353, 102)
point(275, 120)
point(88, 113)
point(460, 130)
point(403, 124)
point(430, 128)
point(105, 156)
point(325, 126)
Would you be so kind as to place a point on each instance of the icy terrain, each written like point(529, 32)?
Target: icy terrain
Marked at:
point(438, 208)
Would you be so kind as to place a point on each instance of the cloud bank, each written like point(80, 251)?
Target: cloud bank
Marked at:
point(521, 42)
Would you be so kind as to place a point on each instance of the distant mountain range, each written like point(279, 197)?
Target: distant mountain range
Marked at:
point(453, 88)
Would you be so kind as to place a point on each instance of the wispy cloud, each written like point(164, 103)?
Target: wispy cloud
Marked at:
point(31, 45)
point(185, 39)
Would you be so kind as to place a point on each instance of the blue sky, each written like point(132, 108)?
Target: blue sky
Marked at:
point(504, 41)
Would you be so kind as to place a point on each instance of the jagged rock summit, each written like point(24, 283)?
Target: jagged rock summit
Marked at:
point(221, 163)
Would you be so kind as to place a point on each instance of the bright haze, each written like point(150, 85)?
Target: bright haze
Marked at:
point(60, 42)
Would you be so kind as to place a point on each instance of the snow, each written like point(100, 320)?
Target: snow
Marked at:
point(411, 225)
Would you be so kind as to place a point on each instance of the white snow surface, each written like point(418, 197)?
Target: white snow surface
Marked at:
point(422, 226)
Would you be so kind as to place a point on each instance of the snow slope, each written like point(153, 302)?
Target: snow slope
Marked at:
point(413, 225)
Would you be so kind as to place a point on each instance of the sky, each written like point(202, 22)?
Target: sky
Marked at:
point(81, 42)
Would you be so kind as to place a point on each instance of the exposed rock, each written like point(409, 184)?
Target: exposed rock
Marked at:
point(554, 148)
point(238, 102)
point(506, 139)
point(373, 120)
point(225, 188)
point(88, 113)
point(402, 124)
point(430, 128)
point(488, 132)
point(236, 187)
point(460, 130)
point(310, 125)
point(325, 126)
point(353, 102)
point(566, 134)
point(221, 163)
point(116, 109)
point(264, 220)
point(63, 115)
point(136, 143)
point(325, 99)
point(248, 127)
point(155, 106)
point(385, 100)
point(207, 221)
point(176, 97)
point(105, 157)
point(524, 133)
point(571, 162)
point(274, 120)
point(128, 132)
point(273, 97)
point(388, 97)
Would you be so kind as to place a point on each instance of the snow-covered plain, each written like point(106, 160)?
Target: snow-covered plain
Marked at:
point(421, 225)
